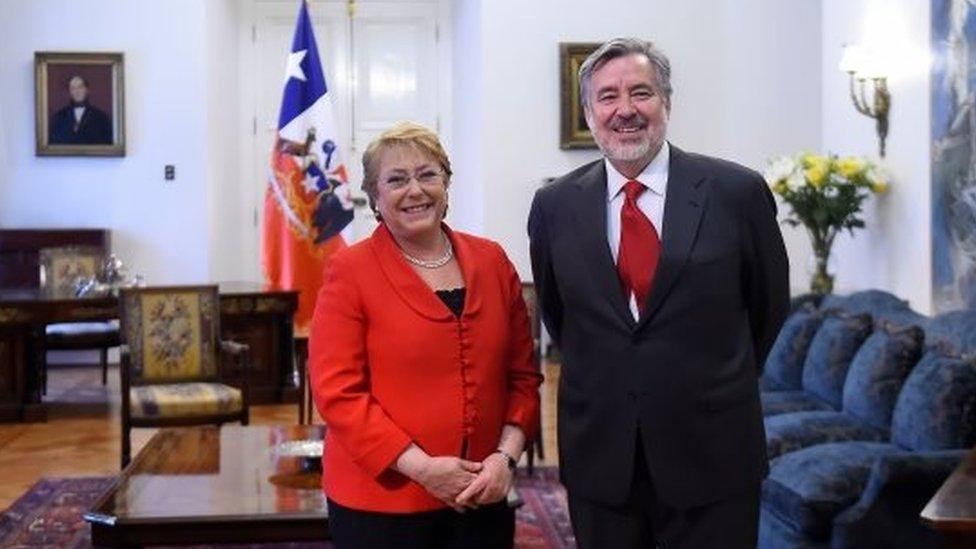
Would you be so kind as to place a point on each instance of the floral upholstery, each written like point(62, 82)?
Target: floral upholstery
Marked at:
point(830, 355)
point(183, 400)
point(785, 402)
point(790, 432)
point(61, 267)
point(936, 409)
point(878, 372)
point(784, 365)
point(171, 334)
point(806, 489)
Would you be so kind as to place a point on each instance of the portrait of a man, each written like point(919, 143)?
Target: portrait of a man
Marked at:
point(79, 104)
point(80, 122)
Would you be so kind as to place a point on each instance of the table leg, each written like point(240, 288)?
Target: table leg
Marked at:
point(34, 409)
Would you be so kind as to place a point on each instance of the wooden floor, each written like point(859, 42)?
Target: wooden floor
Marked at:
point(84, 439)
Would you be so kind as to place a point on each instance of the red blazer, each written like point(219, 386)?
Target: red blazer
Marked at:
point(390, 365)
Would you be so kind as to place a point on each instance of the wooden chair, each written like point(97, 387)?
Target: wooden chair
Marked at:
point(535, 446)
point(60, 268)
point(171, 361)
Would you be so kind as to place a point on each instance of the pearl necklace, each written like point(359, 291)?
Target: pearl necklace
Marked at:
point(433, 263)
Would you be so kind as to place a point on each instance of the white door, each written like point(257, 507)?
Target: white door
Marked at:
point(380, 67)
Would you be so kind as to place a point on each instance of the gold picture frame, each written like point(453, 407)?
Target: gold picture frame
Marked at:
point(79, 103)
point(573, 131)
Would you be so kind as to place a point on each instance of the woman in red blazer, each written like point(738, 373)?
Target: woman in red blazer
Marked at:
point(421, 366)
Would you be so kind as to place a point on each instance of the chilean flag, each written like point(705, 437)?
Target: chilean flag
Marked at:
point(307, 202)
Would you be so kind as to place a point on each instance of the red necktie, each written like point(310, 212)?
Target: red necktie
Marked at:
point(640, 247)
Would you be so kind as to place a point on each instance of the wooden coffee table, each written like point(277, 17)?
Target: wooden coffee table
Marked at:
point(209, 485)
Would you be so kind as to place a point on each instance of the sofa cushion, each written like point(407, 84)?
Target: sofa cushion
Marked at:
point(809, 487)
point(936, 409)
point(785, 402)
point(904, 318)
point(790, 432)
point(830, 355)
point(956, 330)
point(784, 364)
point(872, 302)
point(878, 372)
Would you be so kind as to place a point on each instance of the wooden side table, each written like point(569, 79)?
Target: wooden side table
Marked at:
point(952, 510)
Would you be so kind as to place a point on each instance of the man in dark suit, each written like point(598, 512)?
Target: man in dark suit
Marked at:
point(78, 122)
point(663, 279)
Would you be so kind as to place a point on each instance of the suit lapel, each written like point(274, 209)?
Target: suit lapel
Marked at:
point(591, 219)
point(683, 207)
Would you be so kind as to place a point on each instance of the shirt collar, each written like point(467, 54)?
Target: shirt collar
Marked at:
point(654, 176)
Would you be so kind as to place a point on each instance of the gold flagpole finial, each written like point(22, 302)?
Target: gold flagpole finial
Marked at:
point(351, 8)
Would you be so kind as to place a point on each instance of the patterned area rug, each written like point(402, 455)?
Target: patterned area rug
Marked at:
point(49, 515)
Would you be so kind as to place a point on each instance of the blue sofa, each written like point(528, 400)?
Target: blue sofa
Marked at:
point(868, 407)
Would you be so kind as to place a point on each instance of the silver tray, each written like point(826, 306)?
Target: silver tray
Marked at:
point(299, 448)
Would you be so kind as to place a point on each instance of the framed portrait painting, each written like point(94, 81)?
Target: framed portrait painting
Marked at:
point(79, 104)
point(573, 133)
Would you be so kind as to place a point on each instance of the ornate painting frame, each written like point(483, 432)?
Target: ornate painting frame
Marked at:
point(79, 103)
point(573, 131)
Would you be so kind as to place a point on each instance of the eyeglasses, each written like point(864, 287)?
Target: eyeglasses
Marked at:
point(426, 178)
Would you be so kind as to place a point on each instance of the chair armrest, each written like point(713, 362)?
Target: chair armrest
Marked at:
point(239, 352)
point(125, 367)
point(899, 487)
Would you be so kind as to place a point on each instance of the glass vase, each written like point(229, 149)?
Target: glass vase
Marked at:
point(821, 281)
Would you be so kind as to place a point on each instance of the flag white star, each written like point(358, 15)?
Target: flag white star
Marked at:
point(311, 183)
point(294, 69)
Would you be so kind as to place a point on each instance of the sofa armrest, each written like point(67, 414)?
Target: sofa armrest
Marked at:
point(887, 515)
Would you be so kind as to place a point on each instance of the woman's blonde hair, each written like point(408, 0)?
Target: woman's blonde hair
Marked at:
point(402, 134)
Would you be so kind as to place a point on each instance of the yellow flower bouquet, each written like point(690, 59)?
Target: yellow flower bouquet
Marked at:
point(825, 194)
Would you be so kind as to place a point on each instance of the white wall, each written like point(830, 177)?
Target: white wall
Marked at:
point(745, 74)
point(753, 79)
point(228, 223)
point(162, 229)
point(467, 152)
point(894, 251)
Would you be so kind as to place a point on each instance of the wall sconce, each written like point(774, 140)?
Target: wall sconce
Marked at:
point(863, 65)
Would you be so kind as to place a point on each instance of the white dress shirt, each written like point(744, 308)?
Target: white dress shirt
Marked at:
point(650, 202)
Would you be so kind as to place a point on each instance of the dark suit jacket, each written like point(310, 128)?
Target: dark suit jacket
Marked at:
point(94, 128)
point(686, 374)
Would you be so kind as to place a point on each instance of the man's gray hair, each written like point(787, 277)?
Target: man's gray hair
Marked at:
point(620, 47)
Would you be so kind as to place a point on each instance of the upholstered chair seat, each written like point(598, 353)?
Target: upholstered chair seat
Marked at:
point(184, 400)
